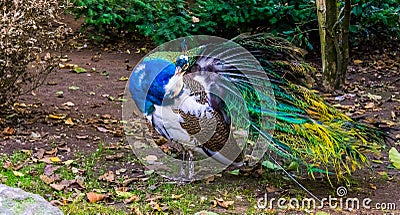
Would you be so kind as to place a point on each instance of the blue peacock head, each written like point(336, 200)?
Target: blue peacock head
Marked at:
point(155, 81)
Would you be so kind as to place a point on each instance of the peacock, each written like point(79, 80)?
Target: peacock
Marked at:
point(248, 100)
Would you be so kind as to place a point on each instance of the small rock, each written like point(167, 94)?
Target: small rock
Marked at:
point(16, 201)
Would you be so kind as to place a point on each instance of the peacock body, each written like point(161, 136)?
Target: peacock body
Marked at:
point(195, 98)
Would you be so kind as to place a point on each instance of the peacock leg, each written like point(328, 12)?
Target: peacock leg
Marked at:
point(187, 166)
point(183, 167)
point(191, 165)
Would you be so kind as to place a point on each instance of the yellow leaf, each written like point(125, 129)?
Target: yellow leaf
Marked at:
point(357, 61)
point(69, 121)
point(57, 116)
point(68, 162)
point(177, 196)
point(18, 174)
point(55, 159)
point(123, 78)
point(383, 173)
point(123, 194)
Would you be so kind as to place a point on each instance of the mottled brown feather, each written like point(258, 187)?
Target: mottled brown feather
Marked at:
point(202, 128)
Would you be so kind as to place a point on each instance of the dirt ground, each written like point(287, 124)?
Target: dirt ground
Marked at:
point(95, 111)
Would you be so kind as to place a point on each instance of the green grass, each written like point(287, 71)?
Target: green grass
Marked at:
point(174, 198)
point(85, 208)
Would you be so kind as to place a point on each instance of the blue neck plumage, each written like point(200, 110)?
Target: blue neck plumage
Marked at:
point(156, 82)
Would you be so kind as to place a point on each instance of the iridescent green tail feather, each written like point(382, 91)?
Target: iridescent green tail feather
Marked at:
point(318, 135)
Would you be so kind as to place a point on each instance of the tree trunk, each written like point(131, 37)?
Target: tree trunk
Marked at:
point(334, 36)
point(327, 17)
point(345, 59)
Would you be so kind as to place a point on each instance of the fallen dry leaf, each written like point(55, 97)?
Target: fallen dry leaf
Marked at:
point(123, 78)
point(68, 162)
point(79, 181)
point(383, 173)
point(124, 194)
point(67, 66)
point(95, 197)
point(109, 176)
point(8, 131)
point(132, 199)
point(57, 203)
point(120, 171)
point(11, 166)
point(58, 187)
point(57, 116)
point(55, 159)
point(222, 203)
point(40, 153)
point(67, 183)
point(106, 116)
point(374, 97)
point(65, 149)
point(210, 179)
point(82, 137)
point(27, 152)
point(50, 169)
point(46, 160)
point(155, 206)
point(389, 123)
point(8, 165)
point(115, 157)
point(18, 174)
point(101, 129)
point(128, 181)
point(369, 105)
point(137, 211)
point(52, 152)
point(225, 204)
point(69, 121)
point(177, 196)
point(121, 189)
point(69, 104)
point(47, 180)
